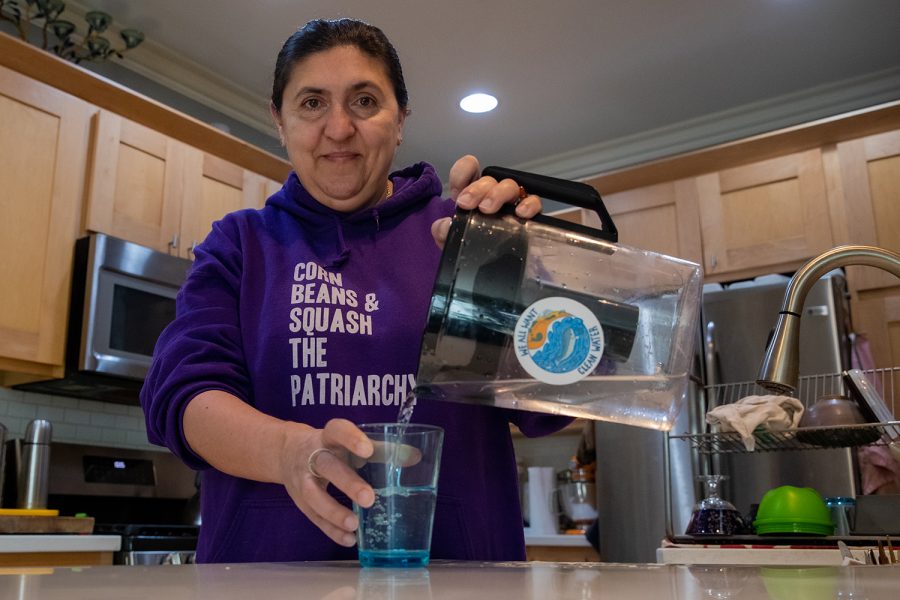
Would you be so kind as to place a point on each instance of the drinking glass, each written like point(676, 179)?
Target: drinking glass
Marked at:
point(403, 471)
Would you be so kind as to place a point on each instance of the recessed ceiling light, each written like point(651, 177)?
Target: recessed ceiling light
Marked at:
point(478, 103)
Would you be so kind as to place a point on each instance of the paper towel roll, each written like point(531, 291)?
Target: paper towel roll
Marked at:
point(541, 509)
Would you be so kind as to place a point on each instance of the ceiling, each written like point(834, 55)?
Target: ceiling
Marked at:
point(584, 86)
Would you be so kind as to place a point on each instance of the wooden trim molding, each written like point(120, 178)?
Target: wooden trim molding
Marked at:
point(839, 128)
point(99, 91)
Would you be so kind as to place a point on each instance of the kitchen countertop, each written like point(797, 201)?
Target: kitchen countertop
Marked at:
point(754, 556)
point(59, 543)
point(500, 581)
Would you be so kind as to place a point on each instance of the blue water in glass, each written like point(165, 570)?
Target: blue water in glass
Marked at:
point(396, 530)
point(394, 559)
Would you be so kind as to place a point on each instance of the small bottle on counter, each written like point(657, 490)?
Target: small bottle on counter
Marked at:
point(35, 470)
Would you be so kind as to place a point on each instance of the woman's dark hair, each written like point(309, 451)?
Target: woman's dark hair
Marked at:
point(321, 34)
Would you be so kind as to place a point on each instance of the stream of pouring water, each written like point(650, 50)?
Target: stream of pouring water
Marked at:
point(394, 464)
point(403, 418)
point(406, 409)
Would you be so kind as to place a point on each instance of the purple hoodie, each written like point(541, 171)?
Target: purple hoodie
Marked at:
point(309, 314)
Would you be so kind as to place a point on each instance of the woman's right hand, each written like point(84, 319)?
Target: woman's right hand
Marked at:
point(342, 440)
point(470, 191)
point(277, 451)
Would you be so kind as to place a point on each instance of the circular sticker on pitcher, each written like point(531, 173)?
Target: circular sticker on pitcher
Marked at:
point(558, 340)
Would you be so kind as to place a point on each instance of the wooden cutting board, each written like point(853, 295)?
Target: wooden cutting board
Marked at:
point(29, 512)
point(23, 521)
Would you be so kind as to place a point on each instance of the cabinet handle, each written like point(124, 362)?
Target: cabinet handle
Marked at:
point(174, 242)
point(714, 262)
point(193, 245)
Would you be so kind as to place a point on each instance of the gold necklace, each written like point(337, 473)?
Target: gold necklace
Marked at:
point(390, 189)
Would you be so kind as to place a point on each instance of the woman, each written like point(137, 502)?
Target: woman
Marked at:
point(305, 317)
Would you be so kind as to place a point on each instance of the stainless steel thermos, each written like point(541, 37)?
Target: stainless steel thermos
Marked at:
point(33, 476)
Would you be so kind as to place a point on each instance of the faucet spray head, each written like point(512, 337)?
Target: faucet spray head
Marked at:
point(780, 367)
point(779, 371)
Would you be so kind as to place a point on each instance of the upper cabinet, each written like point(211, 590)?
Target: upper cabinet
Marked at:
point(78, 153)
point(137, 183)
point(43, 151)
point(738, 222)
point(215, 188)
point(869, 179)
point(148, 188)
point(878, 317)
point(662, 218)
point(765, 215)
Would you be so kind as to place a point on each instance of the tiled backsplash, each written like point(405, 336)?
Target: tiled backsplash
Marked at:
point(75, 421)
point(107, 424)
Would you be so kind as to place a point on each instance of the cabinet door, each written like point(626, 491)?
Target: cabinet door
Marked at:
point(258, 188)
point(870, 181)
point(43, 154)
point(662, 218)
point(137, 178)
point(215, 188)
point(767, 216)
point(877, 314)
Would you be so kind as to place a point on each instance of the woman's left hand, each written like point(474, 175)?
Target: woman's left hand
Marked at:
point(469, 190)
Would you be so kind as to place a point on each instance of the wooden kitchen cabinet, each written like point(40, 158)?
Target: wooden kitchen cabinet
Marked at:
point(43, 154)
point(877, 315)
point(79, 152)
point(869, 181)
point(866, 179)
point(148, 188)
point(214, 188)
point(662, 218)
point(767, 216)
point(137, 182)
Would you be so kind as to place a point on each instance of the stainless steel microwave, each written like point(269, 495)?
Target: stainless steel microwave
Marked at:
point(123, 296)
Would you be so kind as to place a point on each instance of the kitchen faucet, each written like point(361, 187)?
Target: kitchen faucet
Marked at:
point(779, 369)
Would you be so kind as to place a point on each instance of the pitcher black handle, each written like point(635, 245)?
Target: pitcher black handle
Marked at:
point(561, 190)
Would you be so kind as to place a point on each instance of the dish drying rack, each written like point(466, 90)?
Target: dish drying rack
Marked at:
point(810, 388)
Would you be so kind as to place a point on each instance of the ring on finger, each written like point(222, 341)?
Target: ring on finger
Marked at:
point(311, 461)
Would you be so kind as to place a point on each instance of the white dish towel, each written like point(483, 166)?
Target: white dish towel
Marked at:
point(773, 413)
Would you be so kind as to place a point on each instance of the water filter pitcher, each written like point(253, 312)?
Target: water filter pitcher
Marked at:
point(555, 317)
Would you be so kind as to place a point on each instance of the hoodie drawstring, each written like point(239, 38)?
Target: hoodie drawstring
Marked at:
point(343, 250)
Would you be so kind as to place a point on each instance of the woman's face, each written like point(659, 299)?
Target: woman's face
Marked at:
point(341, 125)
